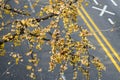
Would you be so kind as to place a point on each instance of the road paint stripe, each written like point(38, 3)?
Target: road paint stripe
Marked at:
point(95, 1)
point(102, 9)
point(114, 3)
point(110, 12)
point(33, 10)
point(63, 77)
point(99, 41)
point(111, 21)
point(100, 33)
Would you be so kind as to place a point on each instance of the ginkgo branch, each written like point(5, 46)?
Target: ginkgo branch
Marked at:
point(46, 17)
point(14, 10)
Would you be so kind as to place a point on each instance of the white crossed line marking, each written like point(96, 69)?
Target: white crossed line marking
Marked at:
point(114, 3)
point(104, 10)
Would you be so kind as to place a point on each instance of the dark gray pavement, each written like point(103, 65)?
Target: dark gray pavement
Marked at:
point(18, 72)
point(110, 30)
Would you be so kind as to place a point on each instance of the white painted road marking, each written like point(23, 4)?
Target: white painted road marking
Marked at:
point(110, 20)
point(103, 10)
point(114, 3)
point(95, 1)
point(33, 10)
point(63, 77)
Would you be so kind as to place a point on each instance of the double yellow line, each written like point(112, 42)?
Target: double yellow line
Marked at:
point(101, 35)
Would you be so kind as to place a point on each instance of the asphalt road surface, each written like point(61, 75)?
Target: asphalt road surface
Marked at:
point(105, 14)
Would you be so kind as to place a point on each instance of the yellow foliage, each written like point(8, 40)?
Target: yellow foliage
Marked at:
point(9, 63)
point(2, 46)
point(50, 1)
point(40, 13)
point(86, 3)
point(1, 16)
point(31, 22)
point(35, 3)
point(2, 24)
point(14, 55)
point(65, 49)
point(16, 1)
point(38, 47)
point(2, 52)
point(32, 75)
point(98, 64)
point(39, 70)
point(51, 66)
point(29, 53)
point(28, 67)
point(17, 60)
point(7, 12)
point(25, 6)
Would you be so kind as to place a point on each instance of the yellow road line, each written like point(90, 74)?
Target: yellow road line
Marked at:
point(99, 41)
point(100, 33)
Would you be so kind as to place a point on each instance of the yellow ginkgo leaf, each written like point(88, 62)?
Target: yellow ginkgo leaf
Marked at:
point(9, 63)
point(2, 46)
point(6, 11)
point(2, 24)
point(39, 70)
point(1, 15)
point(2, 52)
point(14, 55)
point(17, 60)
point(32, 75)
point(51, 1)
point(16, 1)
point(28, 67)
point(29, 53)
point(25, 6)
point(41, 13)
point(86, 3)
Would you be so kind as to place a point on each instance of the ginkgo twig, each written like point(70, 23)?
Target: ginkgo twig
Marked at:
point(14, 10)
point(21, 32)
point(46, 17)
point(7, 69)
